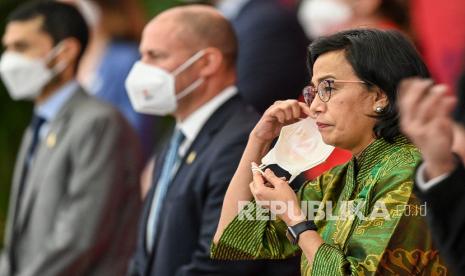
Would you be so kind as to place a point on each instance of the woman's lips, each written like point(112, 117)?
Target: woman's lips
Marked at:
point(322, 125)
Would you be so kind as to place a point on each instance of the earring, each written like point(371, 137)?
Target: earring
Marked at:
point(379, 109)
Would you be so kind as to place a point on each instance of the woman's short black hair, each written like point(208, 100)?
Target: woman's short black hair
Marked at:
point(60, 21)
point(381, 59)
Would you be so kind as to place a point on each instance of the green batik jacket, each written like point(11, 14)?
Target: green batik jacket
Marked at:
point(368, 217)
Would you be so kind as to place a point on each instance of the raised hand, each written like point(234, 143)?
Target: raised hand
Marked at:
point(274, 193)
point(280, 114)
point(425, 118)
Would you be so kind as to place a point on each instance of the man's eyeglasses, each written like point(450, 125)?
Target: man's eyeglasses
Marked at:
point(324, 90)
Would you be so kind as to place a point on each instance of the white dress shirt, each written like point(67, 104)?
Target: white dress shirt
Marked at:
point(191, 127)
point(50, 108)
point(424, 185)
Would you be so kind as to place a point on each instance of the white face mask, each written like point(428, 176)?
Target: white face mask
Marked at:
point(319, 17)
point(24, 77)
point(152, 90)
point(299, 148)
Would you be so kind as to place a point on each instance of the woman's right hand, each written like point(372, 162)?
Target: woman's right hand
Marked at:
point(280, 114)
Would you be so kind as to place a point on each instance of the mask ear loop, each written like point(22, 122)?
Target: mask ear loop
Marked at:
point(60, 67)
point(188, 62)
point(258, 169)
point(183, 67)
point(54, 52)
point(189, 89)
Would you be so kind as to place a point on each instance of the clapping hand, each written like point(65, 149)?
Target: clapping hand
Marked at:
point(425, 118)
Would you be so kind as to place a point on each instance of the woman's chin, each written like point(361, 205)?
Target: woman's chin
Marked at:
point(327, 140)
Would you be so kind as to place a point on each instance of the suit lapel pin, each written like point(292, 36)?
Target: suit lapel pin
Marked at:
point(191, 157)
point(51, 140)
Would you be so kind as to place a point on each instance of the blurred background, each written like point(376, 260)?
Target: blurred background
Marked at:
point(16, 115)
point(437, 29)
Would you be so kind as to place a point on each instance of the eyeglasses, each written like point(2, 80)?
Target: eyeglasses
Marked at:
point(324, 90)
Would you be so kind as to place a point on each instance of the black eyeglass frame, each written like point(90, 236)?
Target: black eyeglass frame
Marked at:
point(309, 92)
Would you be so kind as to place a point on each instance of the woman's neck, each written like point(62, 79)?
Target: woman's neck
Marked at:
point(358, 152)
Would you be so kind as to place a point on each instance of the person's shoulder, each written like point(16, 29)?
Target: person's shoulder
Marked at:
point(238, 112)
point(402, 154)
point(88, 110)
point(396, 169)
point(95, 107)
point(245, 110)
point(233, 121)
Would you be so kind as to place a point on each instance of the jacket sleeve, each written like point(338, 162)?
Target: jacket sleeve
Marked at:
point(255, 234)
point(446, 203)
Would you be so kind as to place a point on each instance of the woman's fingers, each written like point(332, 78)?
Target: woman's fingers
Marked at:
point(305, 110)
point(280, 116)
point(292, 110)
point(252, 189)
point(256, 174)
point(273, 179)
point(296, 110)
point(258, 181)
point(288, 111)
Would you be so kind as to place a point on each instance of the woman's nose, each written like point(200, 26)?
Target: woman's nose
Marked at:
point(316, 107)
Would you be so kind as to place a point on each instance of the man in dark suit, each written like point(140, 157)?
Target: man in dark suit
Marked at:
point(75, 195)
point(188, 70)
point(273, 46)
point(440, 179)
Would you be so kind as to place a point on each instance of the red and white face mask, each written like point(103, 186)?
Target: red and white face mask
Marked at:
point(300, 147)
point(152, 90)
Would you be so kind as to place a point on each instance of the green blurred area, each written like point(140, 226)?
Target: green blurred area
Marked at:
point(15, 116)
point(154, 7)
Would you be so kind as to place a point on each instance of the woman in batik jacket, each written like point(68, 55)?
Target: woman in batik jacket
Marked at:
point(367, 221)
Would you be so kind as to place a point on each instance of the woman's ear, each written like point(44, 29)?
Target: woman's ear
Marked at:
point(381, 101)
point(213, 61)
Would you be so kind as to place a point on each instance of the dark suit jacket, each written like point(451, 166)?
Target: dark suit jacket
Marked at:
point(272, 53)
point(192, 206)
point(446, 217)
point(79, 206)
